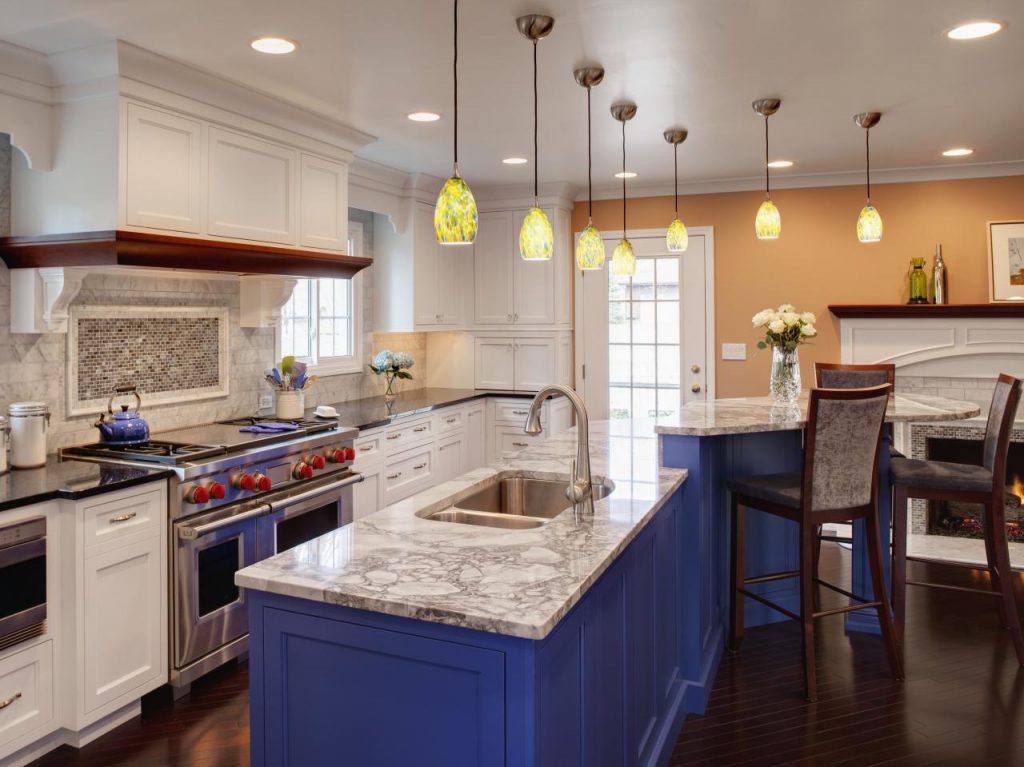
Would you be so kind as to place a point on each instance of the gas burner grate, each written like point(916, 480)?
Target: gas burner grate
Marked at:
point(306, 425)
point(156, 451)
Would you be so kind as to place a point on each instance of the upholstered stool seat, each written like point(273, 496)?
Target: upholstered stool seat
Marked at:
point(783, 489)
point(940, 475)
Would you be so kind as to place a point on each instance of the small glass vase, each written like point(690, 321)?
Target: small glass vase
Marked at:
point(389, 391)
point(785, 378)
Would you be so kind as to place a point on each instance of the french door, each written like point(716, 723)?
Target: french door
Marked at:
point(642, 346)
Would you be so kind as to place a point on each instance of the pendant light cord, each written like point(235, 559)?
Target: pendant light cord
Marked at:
point(455, 79)
point(624, 179)
point(767, 168)
point(867, 156)
point(535, 153)
point(590, 172)
point(675, 164)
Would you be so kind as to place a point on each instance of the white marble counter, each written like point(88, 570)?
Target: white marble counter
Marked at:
point(513, 582)
point(747, 415)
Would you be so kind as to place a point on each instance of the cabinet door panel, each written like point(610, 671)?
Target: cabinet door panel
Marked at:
point(450, 266)
point(368, 495)
point(26, 685)
point(425, 268)
point(252, 189)
point(476, 437)
point(123, 648)
point(534, 283)
point(450, 458)
point(534, 363)
point(163, 169)
point(495, 363)
point(323, 202)
point(493, 260)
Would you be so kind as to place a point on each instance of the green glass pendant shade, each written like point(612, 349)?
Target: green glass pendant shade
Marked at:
point(677, 238)
point(869, 225)
point(623, 260)
point(455, 215)
point(768, 224)
point(590, 249)
point(536, 237)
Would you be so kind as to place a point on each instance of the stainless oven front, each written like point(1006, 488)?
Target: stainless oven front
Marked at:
point(210, 624)
point(22, 581)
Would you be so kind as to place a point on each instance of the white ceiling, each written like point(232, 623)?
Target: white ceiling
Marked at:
point(691, 63)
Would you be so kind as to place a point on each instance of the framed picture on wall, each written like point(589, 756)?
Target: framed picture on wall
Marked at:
point(1006, 260)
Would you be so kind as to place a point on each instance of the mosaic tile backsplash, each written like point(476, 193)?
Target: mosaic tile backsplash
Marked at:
point(157, 354)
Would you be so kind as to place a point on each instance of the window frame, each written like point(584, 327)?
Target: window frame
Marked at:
point(353, 363)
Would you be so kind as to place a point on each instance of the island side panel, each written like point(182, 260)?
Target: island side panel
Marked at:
point(867, 620)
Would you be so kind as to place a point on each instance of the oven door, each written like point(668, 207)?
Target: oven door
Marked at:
point(308, 514)
point(23, 585)
point(209, 609)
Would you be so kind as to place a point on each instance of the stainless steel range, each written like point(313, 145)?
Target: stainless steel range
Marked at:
point(236, 497)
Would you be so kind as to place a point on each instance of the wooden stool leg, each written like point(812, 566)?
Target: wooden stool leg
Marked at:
point(997, 514)
point(807, 540)
point(874, 544)
point(993, 567)
point(737, 542)
point(899, 559)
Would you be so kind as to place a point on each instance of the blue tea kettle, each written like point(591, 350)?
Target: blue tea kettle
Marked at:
point(124, 427)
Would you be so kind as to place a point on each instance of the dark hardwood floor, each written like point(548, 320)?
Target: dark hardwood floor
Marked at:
point(961, 706)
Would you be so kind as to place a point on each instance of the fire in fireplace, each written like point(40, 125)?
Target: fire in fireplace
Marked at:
point(964, 519)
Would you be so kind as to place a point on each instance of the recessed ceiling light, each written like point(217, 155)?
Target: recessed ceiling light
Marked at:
point(960, 151)
point(424, 117)
point(515, 161)
point(625, 174)
point(973, 30)
point(780, 164)
point(273, 45)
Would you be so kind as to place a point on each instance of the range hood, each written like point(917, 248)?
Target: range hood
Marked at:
point(130, 248)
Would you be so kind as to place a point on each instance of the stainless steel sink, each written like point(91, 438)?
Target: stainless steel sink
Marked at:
point(515, 502)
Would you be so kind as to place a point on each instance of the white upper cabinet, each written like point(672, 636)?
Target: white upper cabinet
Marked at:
point(252, 188)
point(494, 264)
point(495, 363)
point(534, 283)
point(163, 162)
point(534, 363)
point(323, 203)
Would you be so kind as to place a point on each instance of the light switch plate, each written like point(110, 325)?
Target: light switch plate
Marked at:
point(734, 351)
point(266, 401)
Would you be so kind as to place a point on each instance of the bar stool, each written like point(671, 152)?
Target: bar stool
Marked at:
point(984, 485)
point(838, 482)
point(834, 375)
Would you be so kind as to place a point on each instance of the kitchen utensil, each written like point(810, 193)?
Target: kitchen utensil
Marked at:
point(276, 375)
point(326, 411)
point(29, 422)
point(125, 427)
point(310, 381)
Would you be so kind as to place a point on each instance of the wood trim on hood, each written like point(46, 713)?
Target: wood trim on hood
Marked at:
point(123, 248)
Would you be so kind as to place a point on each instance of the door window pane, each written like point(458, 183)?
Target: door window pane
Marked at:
point(668, 365)
point(668, 278)
point(644, 402)
point(644, 360)
point(619, 364)
point(644, 321)
point(618, 322)
point(619, 402)
point(668, 322)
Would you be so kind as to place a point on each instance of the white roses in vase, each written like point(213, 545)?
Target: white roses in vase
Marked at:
point(785, 328)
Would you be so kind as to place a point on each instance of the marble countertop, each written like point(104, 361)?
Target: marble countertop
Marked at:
point(375, 411)
point(746, 415)
point(514, 582)
point(69, 479)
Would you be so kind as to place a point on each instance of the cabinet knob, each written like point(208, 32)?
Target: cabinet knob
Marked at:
point(508, 317)
point(515, 317)
point(695, 388)
point(694, 368)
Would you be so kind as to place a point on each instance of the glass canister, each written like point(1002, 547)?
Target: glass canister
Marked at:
point(29, 423)
point(918, 282)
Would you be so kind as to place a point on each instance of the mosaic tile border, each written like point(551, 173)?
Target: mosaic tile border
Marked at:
point(220, 388)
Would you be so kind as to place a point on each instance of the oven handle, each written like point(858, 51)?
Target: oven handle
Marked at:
point(191, 533)
point(20, 552)
point(291, 500)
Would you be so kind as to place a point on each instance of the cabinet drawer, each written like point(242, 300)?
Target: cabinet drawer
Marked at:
point(26, 691)
point(408, 472)
point(450, 420)
point(369, 446)
point(134, 514)
point(514, 411)
point(399, 437)
point(512, 440)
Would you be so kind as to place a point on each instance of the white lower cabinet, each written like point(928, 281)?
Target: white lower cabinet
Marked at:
point(408, 472)
point(476, 435)
point(451, 457)
point(26, 693)
point(368, 495)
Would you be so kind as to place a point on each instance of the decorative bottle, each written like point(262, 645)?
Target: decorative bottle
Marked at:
point(940, 289)
point(918, 282)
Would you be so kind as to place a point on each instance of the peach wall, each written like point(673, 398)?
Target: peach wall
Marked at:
point(817, 261)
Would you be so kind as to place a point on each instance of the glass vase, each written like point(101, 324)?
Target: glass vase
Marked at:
point(785, 378)
point(918, 282)
point(389, 390)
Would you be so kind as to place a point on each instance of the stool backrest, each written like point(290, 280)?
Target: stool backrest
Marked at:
point(1001, 413)
point(832, 375)
point(844, 429)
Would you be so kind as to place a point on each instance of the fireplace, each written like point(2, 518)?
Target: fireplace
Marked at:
point(963, 519)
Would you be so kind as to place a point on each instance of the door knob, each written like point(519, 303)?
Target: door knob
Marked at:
point(695, 368)
point(695, 388)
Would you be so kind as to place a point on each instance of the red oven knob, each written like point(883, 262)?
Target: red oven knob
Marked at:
point(196, 494)
point(216, 490)
point(263, 483)
point(350, 453)
point(316, 461)
point(302, 471)
point(244, 482)
point(336, 456)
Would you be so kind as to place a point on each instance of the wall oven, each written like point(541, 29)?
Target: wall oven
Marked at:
point(210, 621)
point(22, 581)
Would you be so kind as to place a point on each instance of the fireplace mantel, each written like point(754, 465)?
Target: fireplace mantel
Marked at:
point(919, 311)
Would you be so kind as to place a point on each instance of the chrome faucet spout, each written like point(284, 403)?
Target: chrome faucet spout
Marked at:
point(579, 489)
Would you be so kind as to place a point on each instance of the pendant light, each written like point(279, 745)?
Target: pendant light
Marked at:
point(536, 237)
point(455, 215)
point(676, 239)
point(869, 223)
point(623, 259)
point(590, 247)
point(768, 223)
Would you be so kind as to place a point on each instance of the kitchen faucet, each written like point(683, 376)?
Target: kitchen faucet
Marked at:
point(579, 489)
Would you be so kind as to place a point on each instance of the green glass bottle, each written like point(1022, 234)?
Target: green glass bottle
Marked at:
point(918, 282)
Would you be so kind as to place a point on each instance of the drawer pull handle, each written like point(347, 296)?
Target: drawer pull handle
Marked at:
point(520, 444)
point(520, 412)
point(394, 476)
point(396, 435)
point(122, 518)
point(418, 429)
point(453, 419)
point(419, 466)
point(5, 703)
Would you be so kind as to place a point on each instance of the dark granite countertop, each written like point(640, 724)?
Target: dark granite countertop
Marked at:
point(374, 411)
point(69, 479)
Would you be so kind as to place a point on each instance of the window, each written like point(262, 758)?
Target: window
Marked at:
point(321, 324)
